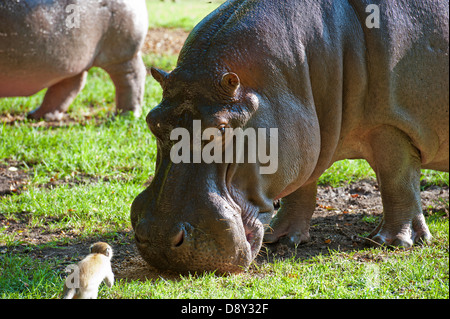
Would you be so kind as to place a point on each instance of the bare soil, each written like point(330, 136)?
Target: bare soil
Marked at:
point(164, 41)
point(342, 217)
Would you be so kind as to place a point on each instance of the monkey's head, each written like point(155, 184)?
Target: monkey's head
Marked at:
point(101, 248)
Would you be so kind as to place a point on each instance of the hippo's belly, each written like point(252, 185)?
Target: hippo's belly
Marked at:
point(28, 82)
point(26, 74)
point(25, 87)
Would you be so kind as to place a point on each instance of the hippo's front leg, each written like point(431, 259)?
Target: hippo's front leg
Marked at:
point(292, 221)
point(59, 97)
point(397, 164)
point(129, 80)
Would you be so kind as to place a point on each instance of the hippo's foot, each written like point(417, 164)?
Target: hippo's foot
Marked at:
point(51, 116)
point(409, 234)
point(397, 163)
point(291, 239)
point(128, 114)
point(290, 225)
point(58, 98)
point(286, 231)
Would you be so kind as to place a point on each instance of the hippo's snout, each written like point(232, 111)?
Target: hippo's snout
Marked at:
point(196, 241)
point(174, 239)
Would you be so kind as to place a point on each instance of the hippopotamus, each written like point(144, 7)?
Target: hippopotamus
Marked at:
point(337, 84)
point(53, 43)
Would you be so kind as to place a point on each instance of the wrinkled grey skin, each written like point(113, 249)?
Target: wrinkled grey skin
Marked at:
point(334, 88)
point(42, 46)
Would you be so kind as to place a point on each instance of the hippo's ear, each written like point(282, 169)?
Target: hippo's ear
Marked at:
point(230, 83)
point(159, 75)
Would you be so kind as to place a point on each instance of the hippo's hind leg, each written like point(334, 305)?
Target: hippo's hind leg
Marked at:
point(291, 223)
point(397, 165)
point(58, 98)
point(129, 80)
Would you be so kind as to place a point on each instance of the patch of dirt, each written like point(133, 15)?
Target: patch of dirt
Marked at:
point(345, 215)
point(12, 178)
point(342, 217)
point(67, 120)
point(164, 41)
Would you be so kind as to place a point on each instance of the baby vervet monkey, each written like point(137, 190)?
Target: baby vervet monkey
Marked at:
point(89, 273)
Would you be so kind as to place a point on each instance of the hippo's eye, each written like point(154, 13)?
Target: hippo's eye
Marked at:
point(221, 130)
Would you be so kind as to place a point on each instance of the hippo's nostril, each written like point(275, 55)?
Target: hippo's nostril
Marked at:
point(139, 239)
point(141, 232)
point(178, 239)
point(136, 237)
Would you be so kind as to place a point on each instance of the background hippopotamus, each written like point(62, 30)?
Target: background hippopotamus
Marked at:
point(51, 44)
point(334, 88)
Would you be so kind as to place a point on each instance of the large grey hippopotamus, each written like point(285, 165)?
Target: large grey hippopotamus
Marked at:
point(52, 43)
point(336, 82)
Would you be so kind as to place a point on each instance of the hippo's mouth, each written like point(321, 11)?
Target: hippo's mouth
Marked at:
point(252, 235)
point(254, 239)
point(254, 223)
point(254, 230)
point(254, 218)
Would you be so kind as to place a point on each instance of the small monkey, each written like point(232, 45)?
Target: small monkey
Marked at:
point(89, 273)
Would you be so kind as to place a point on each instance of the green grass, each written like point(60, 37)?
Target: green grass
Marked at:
point(82, 210)
point(373, 273)
point(108, 161)
point(23, 278)
point(182, 14)
point(114, 149)
point(336, 276)
point(164, 62)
